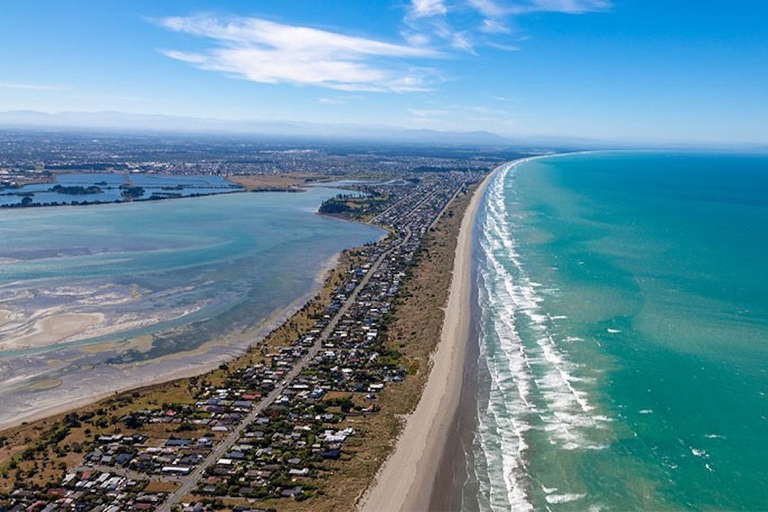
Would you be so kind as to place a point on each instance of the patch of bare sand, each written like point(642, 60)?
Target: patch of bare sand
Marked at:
point(139, 343)
point(53, 329)
point(46, 385)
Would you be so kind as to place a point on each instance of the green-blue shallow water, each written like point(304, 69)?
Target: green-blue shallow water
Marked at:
point(181, 273)
point(623, 334)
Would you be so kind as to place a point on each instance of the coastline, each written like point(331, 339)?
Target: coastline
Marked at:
point(343, 482)
point(452, 482)
point(232, 346)
point(408, 478)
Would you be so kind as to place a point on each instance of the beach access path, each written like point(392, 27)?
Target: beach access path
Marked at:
point(407, 478)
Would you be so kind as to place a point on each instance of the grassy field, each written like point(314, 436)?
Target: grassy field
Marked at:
point(277, 182)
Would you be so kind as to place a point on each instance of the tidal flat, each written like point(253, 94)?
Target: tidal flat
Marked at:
point(111, 297)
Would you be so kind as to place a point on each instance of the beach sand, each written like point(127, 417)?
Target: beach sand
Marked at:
point(407, 479)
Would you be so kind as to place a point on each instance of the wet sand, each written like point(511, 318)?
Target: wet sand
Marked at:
point(53, 394)
point(408, 478)
point(45, 328)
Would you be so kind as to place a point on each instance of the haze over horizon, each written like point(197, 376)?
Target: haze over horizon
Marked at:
point(615, 70)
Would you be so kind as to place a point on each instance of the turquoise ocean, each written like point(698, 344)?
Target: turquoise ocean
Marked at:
point(622, 320)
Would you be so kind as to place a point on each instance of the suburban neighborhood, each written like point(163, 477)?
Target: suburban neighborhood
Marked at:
point(272, 429)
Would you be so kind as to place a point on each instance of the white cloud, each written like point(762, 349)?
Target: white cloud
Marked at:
point(268, 52)
point(466, 24)
point(415, 39)
point(426, 112)
point(460, 117)
point(428, 116)
point(487, 111)
point(426, 21)
point(495, 9)
point(570, 6)
point(425, 8)
point(491, 26)
point(462, 40)
point(490, 8)
point(503, 47)
point(28, 87)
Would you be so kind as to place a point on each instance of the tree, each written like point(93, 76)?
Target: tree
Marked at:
point(133, 421)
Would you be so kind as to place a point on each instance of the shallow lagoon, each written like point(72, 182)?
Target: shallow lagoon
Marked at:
point(146, 289)
point(155, 187)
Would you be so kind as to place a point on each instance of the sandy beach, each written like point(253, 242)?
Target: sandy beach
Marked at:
point(407, 478)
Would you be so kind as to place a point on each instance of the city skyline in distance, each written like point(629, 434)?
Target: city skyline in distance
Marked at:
point(589, 70)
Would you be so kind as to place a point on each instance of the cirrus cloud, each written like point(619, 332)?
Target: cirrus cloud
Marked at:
point(268, 52)
point(28, 87)
point(420, 8)
point(467, 24)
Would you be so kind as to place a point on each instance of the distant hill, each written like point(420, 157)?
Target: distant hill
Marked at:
point(120, 121)
point(149, 122)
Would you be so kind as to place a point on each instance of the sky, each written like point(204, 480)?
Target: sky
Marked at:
point(619, 70)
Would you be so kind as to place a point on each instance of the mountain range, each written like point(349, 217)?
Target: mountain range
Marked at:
point(111, 120)
point(164, 123)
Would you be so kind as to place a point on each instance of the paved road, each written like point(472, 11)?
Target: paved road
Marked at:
point(190, 481)
point(391, 207)
point(450, 201)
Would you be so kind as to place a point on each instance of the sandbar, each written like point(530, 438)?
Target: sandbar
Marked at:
point(50, 329)
point(89, 386)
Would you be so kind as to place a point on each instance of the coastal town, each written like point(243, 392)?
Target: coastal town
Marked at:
point(70, 168)
point(28, 156)
point(269, 430)
point(383, 256)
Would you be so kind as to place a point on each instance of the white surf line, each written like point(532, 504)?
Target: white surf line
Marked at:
point(568, 408)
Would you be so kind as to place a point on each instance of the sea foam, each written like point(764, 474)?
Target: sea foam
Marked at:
point(532, 385)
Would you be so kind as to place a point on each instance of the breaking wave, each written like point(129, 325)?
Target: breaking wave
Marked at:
point(528, 385)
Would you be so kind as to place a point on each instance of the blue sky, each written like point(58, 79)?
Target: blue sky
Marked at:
point(636, 70)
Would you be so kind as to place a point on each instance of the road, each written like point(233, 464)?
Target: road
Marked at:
point(190, 481)
point(449, 203)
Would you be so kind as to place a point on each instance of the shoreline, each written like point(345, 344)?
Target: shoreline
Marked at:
point(243, 185)
point(232, 348)
point(345, 486)
point(452, 480)
point(26, 402)
point(408, 478)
